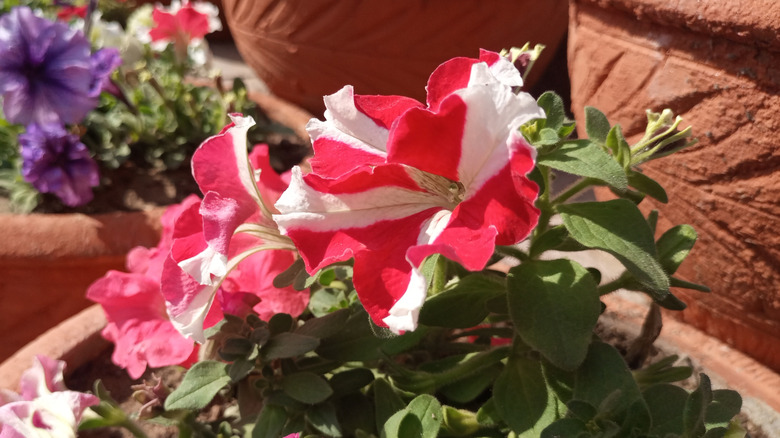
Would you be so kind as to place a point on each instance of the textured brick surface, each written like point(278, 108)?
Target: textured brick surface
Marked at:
point(728, 186)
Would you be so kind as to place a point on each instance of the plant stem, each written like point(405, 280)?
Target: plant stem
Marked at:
point(133, 428)
point(614, 285)
point(439, 275)
point(511, 251)
point(476, 363)
point(572, 190)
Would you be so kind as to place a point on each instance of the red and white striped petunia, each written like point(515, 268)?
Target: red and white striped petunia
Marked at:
point(230, 225)
point(394, 181)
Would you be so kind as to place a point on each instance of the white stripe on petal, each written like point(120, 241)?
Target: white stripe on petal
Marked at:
point(493, 115)
point(302, 206)
point(342, 113)
point(189, 321)
point(404, 313)
point(205, 264)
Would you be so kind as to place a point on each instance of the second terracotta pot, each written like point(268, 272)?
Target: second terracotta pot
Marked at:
point(718, 65)
point(305, 49)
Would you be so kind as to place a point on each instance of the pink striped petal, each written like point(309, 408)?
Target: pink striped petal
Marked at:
point(355, 131)
point(222, 170)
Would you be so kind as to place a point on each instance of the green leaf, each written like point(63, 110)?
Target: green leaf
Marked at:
point(617, 143)
point(585, 158)
point(324, 326)
point(199, 386)
point(554, 305)
point(520, 394)
point(270, 422)
point(547, 136)
point(422, 418)
point(618, 227)
point(288, 345)
point(725, 405)
point(459, 422)
point(553, 107)
point(323, 418)
point(676, 282)
point(463, 304)
point(401, 425)
point(695, 410)
point(428, 410)
point(471, 387)
point(647, 185)
point(487, 415)
point(666, 403)
point(387, 401)
point(350, 381)
point(306, 387)
point(354, 342)
point(280, 323)
point(550, 239)
point(240, 369)
point(596, 125)
point(566, 427)
point(674, 245)
point(604, 380)
point(287, 277)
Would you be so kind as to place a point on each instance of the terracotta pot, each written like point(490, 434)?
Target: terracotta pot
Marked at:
point(76, 340)
point(718, 65)
point(305, 49)
point(47, 261)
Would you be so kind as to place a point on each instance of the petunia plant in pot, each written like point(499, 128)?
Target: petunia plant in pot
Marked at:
point(364, 296)
point(95, 93)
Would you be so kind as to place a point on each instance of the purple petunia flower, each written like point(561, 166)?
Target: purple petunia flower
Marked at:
point(47, 71)
point(57, 162)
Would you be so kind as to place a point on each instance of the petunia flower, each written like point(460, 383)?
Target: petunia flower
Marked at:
point(394, 182)
point(138, 324)
point(57, 162)
point(43, 407)
point(183, 24)
point(226, 232)
point(46, 70)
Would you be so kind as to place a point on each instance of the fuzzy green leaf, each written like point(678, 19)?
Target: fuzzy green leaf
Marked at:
point(585, 158)
point(520, 394)
point(666, 403)
point(323, 418)
point(306, 387)
point(387, 401)
point(619, 228)
point(647, 185)
point(674, 245)
point(270, 422)
point(553, 107)
point(596, 125)
point(199, 386)
point(604, 380)
point(462, 305)
point(288, 345)
point(554, 305)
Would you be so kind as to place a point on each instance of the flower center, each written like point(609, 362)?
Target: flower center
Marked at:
point(452, 192)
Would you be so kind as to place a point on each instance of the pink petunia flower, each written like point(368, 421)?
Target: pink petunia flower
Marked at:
point(43, 407)
point(394, 181)
point(138, 324)
point(229, 240)
point(184, 24)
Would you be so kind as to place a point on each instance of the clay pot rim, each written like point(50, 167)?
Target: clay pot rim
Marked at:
point(77, 340)
point(723, 364)
point(26, 227)
point(756, 25)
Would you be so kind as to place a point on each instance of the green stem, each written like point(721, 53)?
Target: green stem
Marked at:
point(574, 189)
point(133, 428)
point(439, 275)
point(618, 283)
point(476, 363)
point(511, 251)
